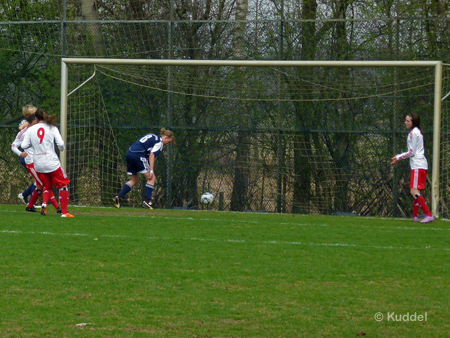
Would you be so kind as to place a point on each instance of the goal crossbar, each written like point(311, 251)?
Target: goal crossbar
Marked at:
point(438, 65)
point(251, 63)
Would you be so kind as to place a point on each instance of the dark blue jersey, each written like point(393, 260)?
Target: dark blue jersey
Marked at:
point(147, 144)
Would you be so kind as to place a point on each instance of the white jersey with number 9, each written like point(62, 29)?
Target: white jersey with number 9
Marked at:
point(42, 137)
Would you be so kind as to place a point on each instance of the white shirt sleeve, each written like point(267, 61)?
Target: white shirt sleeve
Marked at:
point(15, 146)
point(18, 142)
point(58, 139)
point(412, 145)
point(26, 142)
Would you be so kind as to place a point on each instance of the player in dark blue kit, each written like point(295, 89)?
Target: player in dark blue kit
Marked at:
point(141, 160)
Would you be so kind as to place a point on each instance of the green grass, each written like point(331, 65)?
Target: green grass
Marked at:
point(167, 273)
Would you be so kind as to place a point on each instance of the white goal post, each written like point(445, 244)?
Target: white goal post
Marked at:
point(437, 65)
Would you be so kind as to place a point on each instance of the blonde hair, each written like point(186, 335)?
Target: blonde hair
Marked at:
point(28, 110)
point(167, 133)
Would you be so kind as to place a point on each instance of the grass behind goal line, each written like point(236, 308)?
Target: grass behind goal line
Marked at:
point(167, 273)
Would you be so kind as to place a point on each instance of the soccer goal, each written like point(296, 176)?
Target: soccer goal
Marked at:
point(274, 136)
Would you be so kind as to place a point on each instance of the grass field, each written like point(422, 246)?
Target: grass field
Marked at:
point(172, 273)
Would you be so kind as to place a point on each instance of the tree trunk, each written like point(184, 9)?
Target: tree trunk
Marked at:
point(239, 195)
point(93, 30)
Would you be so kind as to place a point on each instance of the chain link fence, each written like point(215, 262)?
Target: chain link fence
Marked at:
point(355, 153)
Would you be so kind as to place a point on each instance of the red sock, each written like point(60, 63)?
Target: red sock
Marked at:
point(53, 200)
point(416, 207)
point(64, 200)
point(34, 198)
point(423, 205)
point(45, 196)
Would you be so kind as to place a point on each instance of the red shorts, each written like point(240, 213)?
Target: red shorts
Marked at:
point(35, 175)
point(418, 178)
point(57, 178)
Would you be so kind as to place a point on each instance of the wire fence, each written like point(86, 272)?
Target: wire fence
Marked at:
point(275, 157)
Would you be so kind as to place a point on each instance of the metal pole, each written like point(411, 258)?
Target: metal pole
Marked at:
point(280, 149)
point(64, 86)
point(436, 140)
point(63, 116)
point(168, 119)
point(395, 181)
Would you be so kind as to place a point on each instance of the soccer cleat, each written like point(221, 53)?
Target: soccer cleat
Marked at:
point(58, 211)
point(32, 209)
point(416, 219)
point(427, 219)
point(67, 215)
point(147, 205)
point(20, 196)
point(43, 209)
point(116, 202)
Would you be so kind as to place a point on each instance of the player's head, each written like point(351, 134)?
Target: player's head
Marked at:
point(42, 116)
point(167, 136)
point(28, 110)
point(415, 120)
point(31, 118)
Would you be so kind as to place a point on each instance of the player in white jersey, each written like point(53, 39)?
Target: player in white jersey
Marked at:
point(15, 147)
point(26, 158)
point(419, 166)
point(27, 110)
point(42, 137)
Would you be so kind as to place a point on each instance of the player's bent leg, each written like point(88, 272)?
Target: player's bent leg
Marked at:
point(134, 179)
point(45, 198)
point(147, 205)
point(27, 192)
point(44, 209)
point(64, 199)
point(116, 201)
point(148, 191)
point(53, 201)
point(34, 197)
point(20, 197)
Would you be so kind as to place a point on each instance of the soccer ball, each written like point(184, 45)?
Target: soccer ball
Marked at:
point(207, 198)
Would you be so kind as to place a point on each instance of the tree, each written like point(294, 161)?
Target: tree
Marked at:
point(241, 169)
point(29, 71)
point(93, 29)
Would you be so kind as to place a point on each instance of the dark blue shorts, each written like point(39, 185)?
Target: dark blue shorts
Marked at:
point(137, 164)
point(22, 161)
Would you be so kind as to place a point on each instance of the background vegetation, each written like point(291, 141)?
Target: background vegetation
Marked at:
point(35, 35)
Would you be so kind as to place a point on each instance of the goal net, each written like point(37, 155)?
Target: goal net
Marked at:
point(273, 136)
